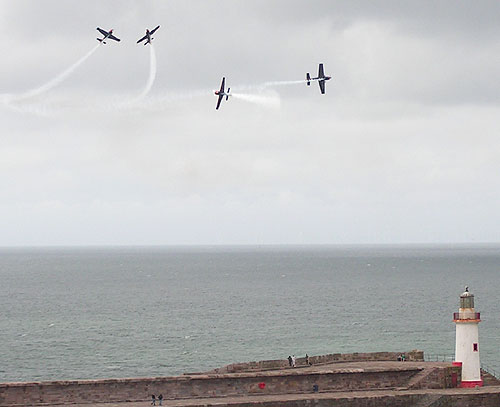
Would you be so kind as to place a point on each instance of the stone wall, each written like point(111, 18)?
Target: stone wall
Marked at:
point(86, 391)
point(436, 378)
point(414, 355)
point(472, 400)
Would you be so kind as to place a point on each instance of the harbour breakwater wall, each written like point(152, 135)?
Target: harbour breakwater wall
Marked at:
point(285, 381)
point(201, 386)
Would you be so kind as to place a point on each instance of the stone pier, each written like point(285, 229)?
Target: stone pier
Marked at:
point(357, 380)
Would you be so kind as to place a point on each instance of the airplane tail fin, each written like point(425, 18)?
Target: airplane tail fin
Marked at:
point(101, 40)
point(308, 79)
point(227, 96)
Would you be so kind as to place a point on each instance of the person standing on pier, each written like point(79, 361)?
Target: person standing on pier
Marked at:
point(153, 400)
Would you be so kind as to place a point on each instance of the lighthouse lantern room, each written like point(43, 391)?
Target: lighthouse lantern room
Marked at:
point(467, 341)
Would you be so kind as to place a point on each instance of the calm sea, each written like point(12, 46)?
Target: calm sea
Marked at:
point(69, 313)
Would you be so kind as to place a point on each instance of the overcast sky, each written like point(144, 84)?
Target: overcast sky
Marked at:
point(403, 147)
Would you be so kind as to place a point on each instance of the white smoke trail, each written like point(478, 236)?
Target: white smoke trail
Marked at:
point(138, 102)
point(282, 83)
point(272, 101)
point(152, 73)
point(270, 84)
point(160, 102)
point(52, 83)
point(27, 105)
point(35, 109)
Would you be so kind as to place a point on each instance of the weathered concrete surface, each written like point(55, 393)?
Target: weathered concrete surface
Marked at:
point(482, 397)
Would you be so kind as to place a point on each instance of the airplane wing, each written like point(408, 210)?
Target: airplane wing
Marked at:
point(111, 36)
point(322, 86)
point(222, 84)
point(152, 32)
point(102, 31)
point(321, 72)
point(142, 39)
point(218, 101)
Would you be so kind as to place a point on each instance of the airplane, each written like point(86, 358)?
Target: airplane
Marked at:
point(107, 34)
point(221, 93)
point(321, 79)
point(148, 36)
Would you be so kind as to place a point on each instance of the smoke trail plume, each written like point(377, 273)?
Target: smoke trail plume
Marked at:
point(282, 83)
point(270, 84)
point(36, 109)
point(138, 101)
point(159, 102)
point(152, 73)
point(52, 83)
point(272, 101)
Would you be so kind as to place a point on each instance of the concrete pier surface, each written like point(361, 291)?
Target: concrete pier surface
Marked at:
point(483, 396)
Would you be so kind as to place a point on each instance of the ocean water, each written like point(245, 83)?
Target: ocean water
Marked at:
point(76, 313)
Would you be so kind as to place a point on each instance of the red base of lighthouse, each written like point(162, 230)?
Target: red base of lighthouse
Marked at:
point(478, 383)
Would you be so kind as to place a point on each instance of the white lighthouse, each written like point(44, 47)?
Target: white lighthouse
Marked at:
point(467, 341)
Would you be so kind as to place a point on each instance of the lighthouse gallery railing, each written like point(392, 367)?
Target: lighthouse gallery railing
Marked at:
point(473, 316)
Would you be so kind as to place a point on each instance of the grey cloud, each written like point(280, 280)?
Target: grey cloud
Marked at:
point(425, 52)
point(407, 130)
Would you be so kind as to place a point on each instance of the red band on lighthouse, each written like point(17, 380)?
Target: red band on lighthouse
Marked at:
point(472, 384)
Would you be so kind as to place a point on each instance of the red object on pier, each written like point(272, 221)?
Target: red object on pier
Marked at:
point(262, 385)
